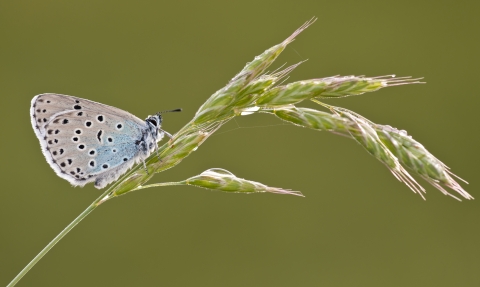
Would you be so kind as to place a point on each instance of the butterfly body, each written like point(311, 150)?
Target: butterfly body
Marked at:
point(85, 141)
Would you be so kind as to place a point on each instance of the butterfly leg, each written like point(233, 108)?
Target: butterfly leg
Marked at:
point(156, 146)
point(143, 148)
point(168, 134)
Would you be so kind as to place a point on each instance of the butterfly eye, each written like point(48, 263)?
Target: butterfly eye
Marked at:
point(105, 166)
point(110, 139)
point(91, 152)
point(81, 147)
point(77, 107)
point(88, 124)
point(92, 163)
point(78, 131)
point(100, 119)
point(119, 126)
point(75, 139)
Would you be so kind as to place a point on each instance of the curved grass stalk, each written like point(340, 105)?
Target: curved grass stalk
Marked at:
point(394, 148)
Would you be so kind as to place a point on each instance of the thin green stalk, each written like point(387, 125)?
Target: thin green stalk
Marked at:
point(64, 232)
point(157, 185)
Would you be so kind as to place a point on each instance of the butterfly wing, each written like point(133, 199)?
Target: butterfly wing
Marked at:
point(85, 141)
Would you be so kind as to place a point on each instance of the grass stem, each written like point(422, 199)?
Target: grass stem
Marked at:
point(59, 237)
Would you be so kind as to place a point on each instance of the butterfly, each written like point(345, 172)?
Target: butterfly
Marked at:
point(85, 141)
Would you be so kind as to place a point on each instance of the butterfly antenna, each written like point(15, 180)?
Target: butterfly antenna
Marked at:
point(170, 111)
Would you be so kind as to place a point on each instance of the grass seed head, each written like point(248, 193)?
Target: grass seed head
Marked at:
point(392, 147)
point(415, 156)
point(291, 93)
point(339, 87)
point(223, 180)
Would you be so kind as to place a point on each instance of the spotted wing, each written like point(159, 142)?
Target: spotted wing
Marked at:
point(84, 141)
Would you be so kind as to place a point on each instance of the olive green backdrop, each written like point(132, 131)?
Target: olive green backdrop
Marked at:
point(357, 226)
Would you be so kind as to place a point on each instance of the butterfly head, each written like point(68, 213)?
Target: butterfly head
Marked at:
point(154, 121)
point(154, 124)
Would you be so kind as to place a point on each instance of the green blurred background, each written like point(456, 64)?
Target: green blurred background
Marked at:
point(357, 226)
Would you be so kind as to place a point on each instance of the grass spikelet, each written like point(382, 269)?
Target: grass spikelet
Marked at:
point(263, 61)
point(415, 156)
point(310, 118)
point(222, 180)
point(392, 147)
point(219, 102)
point(291, 93)
point(352, 86)
point(331, 87)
